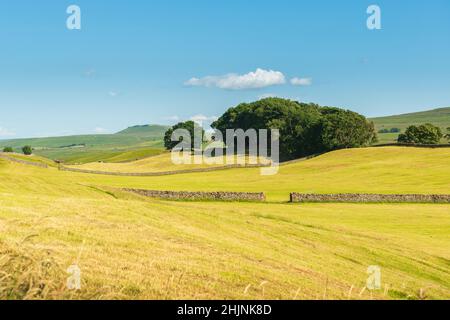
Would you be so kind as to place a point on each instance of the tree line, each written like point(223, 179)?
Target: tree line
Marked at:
point(26, 150)
point(305, 128)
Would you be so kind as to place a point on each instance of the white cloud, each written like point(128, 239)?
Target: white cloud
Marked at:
point(113, 93)
point(259, 79)
point(6, 133)
point(100, 130)
point(301, 81)
point(200, 118)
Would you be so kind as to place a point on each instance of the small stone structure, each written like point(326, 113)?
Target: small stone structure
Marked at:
point(371, 198)
point(197, 195)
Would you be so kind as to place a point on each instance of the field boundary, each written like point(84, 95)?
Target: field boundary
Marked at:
point(198, 195)
point(184, 171)
point(29, 163)
point(369, 198)
point(430, 146)
point(163, 173)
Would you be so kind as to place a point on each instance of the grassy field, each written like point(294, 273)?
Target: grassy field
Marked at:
point(438, 117)
point(369, 170)
point(163, 163)
point(129, 247)
point(130, 144)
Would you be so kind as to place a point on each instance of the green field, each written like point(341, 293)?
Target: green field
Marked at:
point(130, 144)
point(130, 247)
point(438, 117)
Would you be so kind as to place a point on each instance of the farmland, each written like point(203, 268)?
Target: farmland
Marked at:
point(130, 247)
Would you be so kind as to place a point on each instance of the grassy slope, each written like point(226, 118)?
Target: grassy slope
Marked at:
point(159, 163)
point(370, 170)
point(130, 144)
point(130, 247)
point(438, 117)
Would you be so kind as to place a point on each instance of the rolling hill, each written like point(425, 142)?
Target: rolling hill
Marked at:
point(130, 144)
point(367, 170)
point(130, 247)
point(438, 117)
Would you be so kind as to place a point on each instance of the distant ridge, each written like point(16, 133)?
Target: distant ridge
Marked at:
point(439, 117)
point(146, 129)
point(129, 144)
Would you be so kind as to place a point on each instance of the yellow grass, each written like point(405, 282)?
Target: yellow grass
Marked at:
point(163, 163)
point(371, 170)
point(129, 247)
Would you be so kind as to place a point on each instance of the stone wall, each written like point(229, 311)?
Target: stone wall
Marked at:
point(185, 195)
point(163, 173)
point(29, 163)
point(371, 198)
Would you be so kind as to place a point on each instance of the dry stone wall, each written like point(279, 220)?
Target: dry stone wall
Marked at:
point(29, 163)
point(164, 173)
point(185, 195)
point(371, 198)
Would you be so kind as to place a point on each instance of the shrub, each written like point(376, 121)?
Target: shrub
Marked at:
point(8, 149)
point(423, 134)
point(27, 150)
point(394, 130)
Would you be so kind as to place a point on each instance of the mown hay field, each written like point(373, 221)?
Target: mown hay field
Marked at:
point(130, 247)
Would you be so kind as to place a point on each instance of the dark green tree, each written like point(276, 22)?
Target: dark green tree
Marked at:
point(423, 134)
point(192, 127)
point(305, 129)
point(8, 149)
point(27, 150)
point(345, 129)
point(296, 122)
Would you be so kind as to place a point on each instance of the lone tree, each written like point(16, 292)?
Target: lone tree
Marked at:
point(192, 127)
point(27, 150)
point(8, 149)
point(423, 134)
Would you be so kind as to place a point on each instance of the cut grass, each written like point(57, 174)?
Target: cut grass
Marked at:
point(130, 247)
point(163, 163)
point(372, 170)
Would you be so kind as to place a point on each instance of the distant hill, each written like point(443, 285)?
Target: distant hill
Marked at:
point(97, 147)
point(149, 130)
point(131, 135)
point(438, 117)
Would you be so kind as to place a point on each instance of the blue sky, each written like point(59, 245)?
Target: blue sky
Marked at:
point(132, 60)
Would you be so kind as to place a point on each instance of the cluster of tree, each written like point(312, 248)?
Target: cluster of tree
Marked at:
point(392, 130)
point(305, 129)
point(423, 134)
point(27, 150)
point(447, 136)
